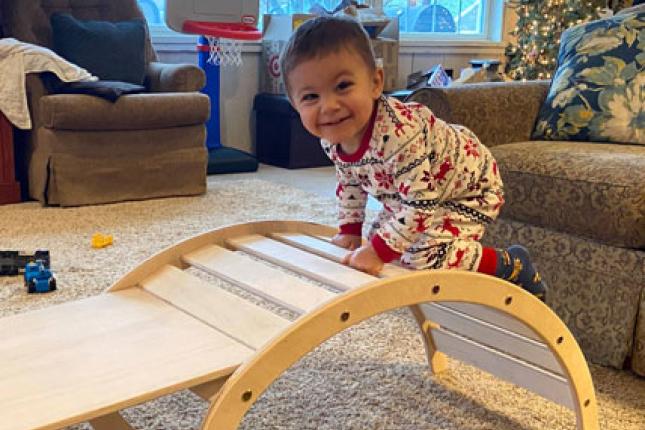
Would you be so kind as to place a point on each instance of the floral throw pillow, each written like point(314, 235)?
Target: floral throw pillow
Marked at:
point(597, 92)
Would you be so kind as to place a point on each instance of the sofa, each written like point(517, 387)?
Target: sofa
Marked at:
point(578, 206)
point(84, 149)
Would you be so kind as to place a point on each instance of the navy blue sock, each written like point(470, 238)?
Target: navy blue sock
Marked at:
point(514, 265)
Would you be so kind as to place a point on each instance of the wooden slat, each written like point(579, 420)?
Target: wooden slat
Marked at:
point(244, 321)
point(313, 266)
point(540, 381)
point(328, 250)
point(495, 317)
point(492, 336)
point(76, 361)
point(272, 284)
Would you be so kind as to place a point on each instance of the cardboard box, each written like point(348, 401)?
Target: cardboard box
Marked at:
point(278, 29)
point(386, 50)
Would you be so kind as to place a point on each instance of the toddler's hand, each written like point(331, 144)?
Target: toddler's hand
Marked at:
point(347, 241)
point(365, 259)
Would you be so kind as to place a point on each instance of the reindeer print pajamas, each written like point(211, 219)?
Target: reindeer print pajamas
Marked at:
point(438, 184)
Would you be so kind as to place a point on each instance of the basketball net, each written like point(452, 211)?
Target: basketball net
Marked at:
point(224, 52)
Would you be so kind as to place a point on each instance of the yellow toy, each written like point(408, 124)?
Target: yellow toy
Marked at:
point(100, 240)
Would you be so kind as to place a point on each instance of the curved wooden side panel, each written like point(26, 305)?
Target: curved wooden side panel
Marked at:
point(172, 255)
point(252, 378)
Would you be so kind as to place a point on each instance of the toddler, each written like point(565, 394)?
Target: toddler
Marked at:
point(439, 186)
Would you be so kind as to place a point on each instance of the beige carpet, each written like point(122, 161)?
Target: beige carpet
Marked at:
point(372, 376)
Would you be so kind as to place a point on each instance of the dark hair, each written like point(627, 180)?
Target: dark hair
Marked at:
point(324, 35)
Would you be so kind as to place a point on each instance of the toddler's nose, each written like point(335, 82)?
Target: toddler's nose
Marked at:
point(330, 104)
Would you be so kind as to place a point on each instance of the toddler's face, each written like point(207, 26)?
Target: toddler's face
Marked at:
point(334, 96)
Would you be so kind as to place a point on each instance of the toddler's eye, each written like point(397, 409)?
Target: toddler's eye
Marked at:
point(309, 97)
point(344, 85)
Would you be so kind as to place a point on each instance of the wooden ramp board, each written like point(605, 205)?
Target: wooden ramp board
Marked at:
point(79, 360)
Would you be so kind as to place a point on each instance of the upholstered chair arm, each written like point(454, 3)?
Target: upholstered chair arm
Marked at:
point(161, 77)
point(35, 91)
point(498, 112)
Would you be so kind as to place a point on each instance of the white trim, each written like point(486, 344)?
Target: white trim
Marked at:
point(186, 43)
point(450, 47)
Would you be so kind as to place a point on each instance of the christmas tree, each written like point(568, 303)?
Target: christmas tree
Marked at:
point(539, 26)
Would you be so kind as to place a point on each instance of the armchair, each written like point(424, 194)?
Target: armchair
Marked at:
point(85, 150)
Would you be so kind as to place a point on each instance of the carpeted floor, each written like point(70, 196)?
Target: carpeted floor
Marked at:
point(372, 376)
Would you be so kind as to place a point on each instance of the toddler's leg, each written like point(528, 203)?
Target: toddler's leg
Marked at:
point(452, 242)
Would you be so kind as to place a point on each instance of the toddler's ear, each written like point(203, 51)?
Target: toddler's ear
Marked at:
point(377, 83)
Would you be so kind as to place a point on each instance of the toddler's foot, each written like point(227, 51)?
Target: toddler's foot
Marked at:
point(514, 265)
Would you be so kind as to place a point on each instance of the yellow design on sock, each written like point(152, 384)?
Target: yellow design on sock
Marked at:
point(507, 257)
point(517, 268)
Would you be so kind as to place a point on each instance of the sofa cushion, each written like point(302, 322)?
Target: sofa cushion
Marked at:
point(585, 189)
point(113, 51)
point(597, 90)
point(130, 112)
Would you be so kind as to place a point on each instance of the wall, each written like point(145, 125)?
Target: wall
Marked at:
point(239, 85)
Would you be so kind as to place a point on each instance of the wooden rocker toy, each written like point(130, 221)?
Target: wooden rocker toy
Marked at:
point(164, 328)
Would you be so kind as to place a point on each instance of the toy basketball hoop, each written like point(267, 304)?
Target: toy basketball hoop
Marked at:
point(223, 26)
point(224, 40)
point(223, 23)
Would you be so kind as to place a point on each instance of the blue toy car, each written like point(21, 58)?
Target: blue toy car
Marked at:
point(39, 279)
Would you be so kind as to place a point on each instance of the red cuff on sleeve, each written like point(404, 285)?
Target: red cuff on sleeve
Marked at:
point(488, 262)
point(384, 252)
point(355, 229)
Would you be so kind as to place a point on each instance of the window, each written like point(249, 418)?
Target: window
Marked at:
point(154, 11)
point(437, 16)
point(418, 19)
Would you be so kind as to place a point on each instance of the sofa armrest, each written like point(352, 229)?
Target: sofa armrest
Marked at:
point(497, 112)
point(161, 77)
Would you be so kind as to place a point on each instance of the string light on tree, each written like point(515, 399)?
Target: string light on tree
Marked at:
point(539, 26)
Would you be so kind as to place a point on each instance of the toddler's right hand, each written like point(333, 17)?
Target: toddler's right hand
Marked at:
point(347, 241)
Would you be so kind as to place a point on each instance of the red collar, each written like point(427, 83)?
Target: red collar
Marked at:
point(365, 141)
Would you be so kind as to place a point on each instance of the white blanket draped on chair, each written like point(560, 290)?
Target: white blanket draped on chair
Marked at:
point(19, 58)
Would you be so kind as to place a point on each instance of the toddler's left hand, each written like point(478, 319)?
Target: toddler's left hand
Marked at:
point(365, 259)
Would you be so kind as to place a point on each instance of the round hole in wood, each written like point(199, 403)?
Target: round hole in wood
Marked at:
point(436, 289)
point(559, 340)
point(246, 396)
point(587, 402)
point(508, 300)
point(344, 316)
